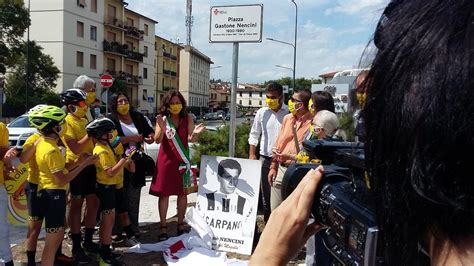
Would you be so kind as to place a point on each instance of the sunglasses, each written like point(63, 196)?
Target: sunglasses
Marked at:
point(296, 100)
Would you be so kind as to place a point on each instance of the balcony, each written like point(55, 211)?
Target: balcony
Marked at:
point(126, 77)
point(114, 22)
point(168, 88)
point(134, 56)
point(133, 32)
point(115, 48)
point(170, 56)
point(169, 73)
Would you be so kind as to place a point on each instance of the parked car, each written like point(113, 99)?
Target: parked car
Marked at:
point(19, 129)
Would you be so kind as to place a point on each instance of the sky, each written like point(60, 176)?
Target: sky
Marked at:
point(332, 35)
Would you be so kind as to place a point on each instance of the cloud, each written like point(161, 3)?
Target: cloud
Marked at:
point(331, 35)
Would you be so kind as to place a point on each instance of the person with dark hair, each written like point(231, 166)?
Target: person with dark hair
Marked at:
point(83, 186)
point(174, 129)
point(321, 100)
point(133, 129)
point(419, 131)
point(228, 172)
point(293, 131)
point(361, 96)
point(265, 127)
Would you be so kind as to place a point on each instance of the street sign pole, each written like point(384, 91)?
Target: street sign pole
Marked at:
point(233, 99)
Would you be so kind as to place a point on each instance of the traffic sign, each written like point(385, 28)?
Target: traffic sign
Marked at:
point(106, 80)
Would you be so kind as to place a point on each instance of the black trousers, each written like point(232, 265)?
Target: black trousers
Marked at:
point(265, 187)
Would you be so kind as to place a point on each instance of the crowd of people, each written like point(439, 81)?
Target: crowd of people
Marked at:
point(415, 106)
point(76, 157)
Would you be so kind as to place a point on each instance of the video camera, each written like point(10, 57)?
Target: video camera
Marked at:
point(342, 202)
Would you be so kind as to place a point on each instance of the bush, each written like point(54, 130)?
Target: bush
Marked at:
point(216, 143)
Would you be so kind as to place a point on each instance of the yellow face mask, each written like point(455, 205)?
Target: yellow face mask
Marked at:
point(361, 98)
point(80, 111)
point(123, 109)
point(90, 97)
point(272, 103)
point(291, 106)
point(311, 107)
point(175, 108)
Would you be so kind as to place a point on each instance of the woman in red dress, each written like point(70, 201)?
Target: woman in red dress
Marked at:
point(174, 128)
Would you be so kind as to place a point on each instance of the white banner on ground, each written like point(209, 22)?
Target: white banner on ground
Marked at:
point(228, 199)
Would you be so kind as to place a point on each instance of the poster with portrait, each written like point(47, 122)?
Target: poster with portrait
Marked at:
point(228, 199)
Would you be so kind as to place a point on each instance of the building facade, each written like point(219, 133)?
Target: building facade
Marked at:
point(194, 71)
point(219, 96)
point(166, 67)
point(93, 37)
point(250, 96)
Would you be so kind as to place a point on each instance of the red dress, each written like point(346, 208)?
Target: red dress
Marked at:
point(168, 179)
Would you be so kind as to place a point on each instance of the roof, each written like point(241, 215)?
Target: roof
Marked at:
point(249, 87)
point(328, 74)
point(141, 15)
point(195, 51)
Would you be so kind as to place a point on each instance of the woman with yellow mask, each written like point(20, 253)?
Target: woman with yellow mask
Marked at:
point(83, 186)
point(174, 129)
point(133, 129)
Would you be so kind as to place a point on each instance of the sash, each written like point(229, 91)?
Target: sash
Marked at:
point(172, 134)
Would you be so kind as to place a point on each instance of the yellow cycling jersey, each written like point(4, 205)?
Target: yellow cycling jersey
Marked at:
point(3, 144)
point(105, 161)
point(118, 150)
point(33, 175)
point(50, 161)
point(75, 129)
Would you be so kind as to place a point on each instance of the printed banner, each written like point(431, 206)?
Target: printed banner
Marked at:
point(14, 184)
point(228, 199)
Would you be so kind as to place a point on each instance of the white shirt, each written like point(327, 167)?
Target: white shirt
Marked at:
point(266, 125)
point(129, 130)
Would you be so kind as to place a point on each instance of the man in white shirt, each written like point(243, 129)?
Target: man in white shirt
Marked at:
point(265, 128)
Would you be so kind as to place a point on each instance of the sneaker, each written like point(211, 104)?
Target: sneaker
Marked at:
point(81, 257)
point(132, 241)
point(109, 261)
point(118, 239)
point(64, 260)
point(91, 247)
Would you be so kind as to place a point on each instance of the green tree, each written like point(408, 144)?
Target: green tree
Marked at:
point(41, 81)
point(216, 143)
point(14, 20)
point(301, 83)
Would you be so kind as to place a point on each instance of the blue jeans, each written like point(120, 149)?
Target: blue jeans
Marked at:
point(5, 251)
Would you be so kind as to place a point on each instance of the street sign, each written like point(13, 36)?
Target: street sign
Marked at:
point(106, 80)
point(238, 23)
point(150, 99)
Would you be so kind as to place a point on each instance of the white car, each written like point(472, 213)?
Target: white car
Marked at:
point(19, 129)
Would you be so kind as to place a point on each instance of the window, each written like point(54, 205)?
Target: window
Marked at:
point(110, 64)
point(145, 73)
point(260, 94)
point(145, 48)
point(130, 22)
point(112, 11)
point(227, 98)
point(129, 69)
point(130, 45)
point(260, 102)
point(93, 33)
point(240, 94)
point(250, 102)
point(81, 3)
point(240, 102)
point(80, 29)
point(94, 6)
point(155, 46)
point(79, 59)
point(93, 61)
point(111, 36)
point(146, 29)
point(250, 94)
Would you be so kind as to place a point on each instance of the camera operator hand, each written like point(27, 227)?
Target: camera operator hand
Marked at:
point(287, 229)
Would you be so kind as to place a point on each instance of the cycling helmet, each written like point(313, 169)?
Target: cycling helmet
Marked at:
point(36, 108)
point(72, 96)
point(46, 117)
point(99, 127)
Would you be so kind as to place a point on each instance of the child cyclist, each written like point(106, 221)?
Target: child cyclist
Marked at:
point(83, 187)
point(121, 199)
point(53, 176)
point(100, 130)
point(34, 203)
